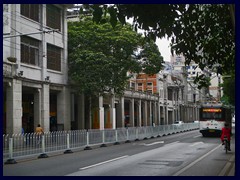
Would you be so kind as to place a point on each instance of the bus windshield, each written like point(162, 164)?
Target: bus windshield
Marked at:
point(210, 115)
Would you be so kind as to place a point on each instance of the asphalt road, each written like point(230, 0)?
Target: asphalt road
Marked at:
point(182, 154)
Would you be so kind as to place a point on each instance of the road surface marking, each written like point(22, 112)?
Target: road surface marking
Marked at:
point(172, 143)
point(196, 143)
point(104, 162)
point(226, 170)
point(159, 142)
point(197, 136)
point(196, 161)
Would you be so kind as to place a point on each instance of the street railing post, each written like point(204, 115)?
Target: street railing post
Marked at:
point(164, 130)
point(68, 145)
point(137, 139)
point(127, 141)
point(103, 139)
point(145, 132)
point(158, 130)
point(10, 160)
point(87, 145)
point(116, 135)
point(152, 132)
point(43, 155)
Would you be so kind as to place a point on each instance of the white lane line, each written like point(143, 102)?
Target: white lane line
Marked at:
point(197, 136)
point(196, 143)
point(197, 160)
point(227, 167)
point(172, 143)
point(104, 162)
point(159, 142)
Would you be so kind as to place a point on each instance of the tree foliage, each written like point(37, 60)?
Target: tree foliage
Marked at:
point(229, 90)
point(101, 55)
point(204, 33)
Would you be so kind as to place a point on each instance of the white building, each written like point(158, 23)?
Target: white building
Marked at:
point(213, 93)
point(35, 67)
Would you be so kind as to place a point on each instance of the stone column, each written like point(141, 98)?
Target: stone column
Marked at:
point(166, 111)
point(196, 111)
point(140, 113)
point(122, 116)
point(101, 113)
point(81, 112)
point(14, 107)
point(150, 114)
point(155, 113)
point(64, 108)
point(159, 113)
point(145, 113)
point(164, 114)
point(112, 112)
point(131, 109)
point(72, 108)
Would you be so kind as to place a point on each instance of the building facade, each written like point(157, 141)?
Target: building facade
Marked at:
point(35, 67)
point(37, 91)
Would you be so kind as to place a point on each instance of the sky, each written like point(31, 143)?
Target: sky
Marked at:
point(163, 44)
point(164, 48)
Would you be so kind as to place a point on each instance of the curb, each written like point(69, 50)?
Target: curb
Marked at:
point(229, 168)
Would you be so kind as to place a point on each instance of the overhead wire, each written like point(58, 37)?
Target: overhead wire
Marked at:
point(17, 20)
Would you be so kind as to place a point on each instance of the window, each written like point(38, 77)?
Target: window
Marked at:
point(31, 11)
point(132, 84)
point(140, 87)
point(149, 87)
point(178, 58)
point(53, 57)
point(53, 17)
point(149, 91)
point(170, 93)
point(211, 115)
point(29, 50)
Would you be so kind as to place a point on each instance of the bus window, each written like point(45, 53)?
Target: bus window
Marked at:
point(210, 115)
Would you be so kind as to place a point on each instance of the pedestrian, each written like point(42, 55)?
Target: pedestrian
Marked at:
point(226, 131)
point(39, 133)
point(39, 130)
point(23, 136)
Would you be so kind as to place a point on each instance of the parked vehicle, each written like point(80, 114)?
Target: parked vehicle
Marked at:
point(178, 123)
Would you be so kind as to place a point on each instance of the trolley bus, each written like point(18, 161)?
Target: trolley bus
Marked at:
point(212, 119)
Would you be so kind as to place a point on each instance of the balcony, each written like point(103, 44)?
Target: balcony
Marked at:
point(8, 69)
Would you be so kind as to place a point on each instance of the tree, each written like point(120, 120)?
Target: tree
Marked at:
point(204, 33)
point(100, 56)
point(229, 90)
